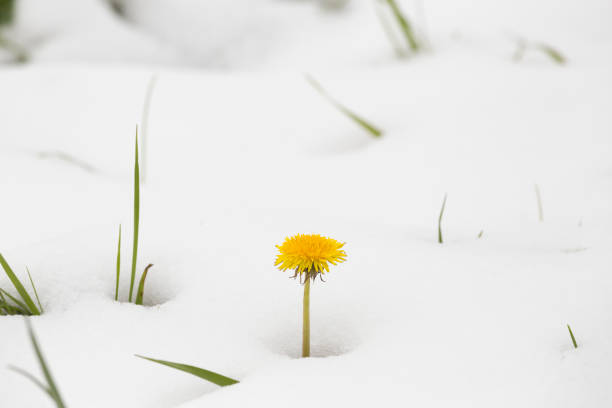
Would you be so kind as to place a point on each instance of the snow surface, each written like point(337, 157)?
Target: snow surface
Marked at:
point(242, 154)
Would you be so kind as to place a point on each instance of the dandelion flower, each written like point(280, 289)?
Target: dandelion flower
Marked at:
point(308, 256)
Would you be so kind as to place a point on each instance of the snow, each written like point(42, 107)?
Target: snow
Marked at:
point(242, 152)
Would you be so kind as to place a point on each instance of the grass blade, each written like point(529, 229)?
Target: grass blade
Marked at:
point(118, 266)
point(395, 43)
point(572, 336)
point(440, 240)
point(198, 372)
point(53, 391)
point(30, 377)
point(144, 125)
point(20, 289)
point(373, 130)
point(140, 292)
point(35, 291)
point(19, 303)
point(539, 198)
point(136, 215)
point(553, 53)
point(7, 10)
point(405, 25)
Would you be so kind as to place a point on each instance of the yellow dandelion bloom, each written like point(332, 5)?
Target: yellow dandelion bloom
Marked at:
point(310, 254)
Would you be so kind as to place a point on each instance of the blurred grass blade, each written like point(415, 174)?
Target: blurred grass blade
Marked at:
point(384, 22)
point(30, 377)
point(440, 240)
point(136, 215)
point(118, 266)
point(140, 292)
point(553, 53)
point(198, 372)
point(539, 199)
point(52, 388)
point(35, 291)
point(144, 126)
point(373, 130)
point(572, 336)
point(7, 8)
point(405, 25)
point(20, 289)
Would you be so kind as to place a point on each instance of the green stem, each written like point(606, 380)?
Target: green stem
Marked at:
point(306, 321)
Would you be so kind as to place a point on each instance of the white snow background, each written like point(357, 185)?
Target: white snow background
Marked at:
point(241, 152)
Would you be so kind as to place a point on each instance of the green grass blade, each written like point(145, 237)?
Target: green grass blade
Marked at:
point(398, 47)
point(405, 25)
point(35, 291)
point(118, 266)
point(198, 372)
point(136, 216)
point(373, 130)
point(440, 240)
point(19, 304)
point(30, 377)
point(53, 391)
point(20, 289)
point(140, 292)
point(552, 53)
point(572, 336)
point(7, 10)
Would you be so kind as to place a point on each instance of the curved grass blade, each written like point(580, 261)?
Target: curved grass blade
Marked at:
point(20, 289)
point(53, 390)
point(140, 292)
point(373, 130)
point(440, 240)
point(35, 291)
point(211, 376)
point(118, 266)
point(136, 216)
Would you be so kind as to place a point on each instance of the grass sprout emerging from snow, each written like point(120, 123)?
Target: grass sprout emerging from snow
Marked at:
point(26, 305)
point(523, 46)
point(440, 238)
point(50, 388)
point(370, 128)
point(136, 216)
point(207, 375)
point(140, 290)
point(572, 336)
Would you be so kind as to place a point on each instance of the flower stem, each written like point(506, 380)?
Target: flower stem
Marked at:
point(306, 322)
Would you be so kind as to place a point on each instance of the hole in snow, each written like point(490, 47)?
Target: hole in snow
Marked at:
point(327, 338)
